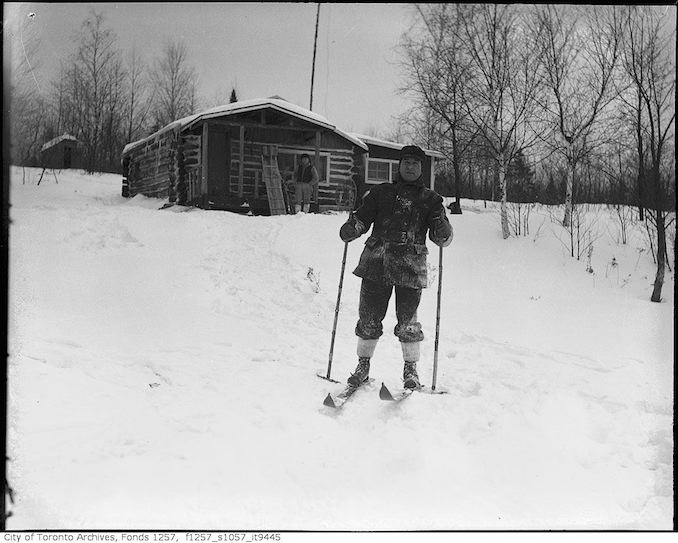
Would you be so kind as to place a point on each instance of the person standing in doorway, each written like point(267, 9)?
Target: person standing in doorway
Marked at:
point(401, 214)
point(306, 178)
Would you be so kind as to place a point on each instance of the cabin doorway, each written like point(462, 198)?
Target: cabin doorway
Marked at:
point(68, 157)
point(218, 166)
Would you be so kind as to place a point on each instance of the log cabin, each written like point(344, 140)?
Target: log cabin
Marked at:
point(217, 159)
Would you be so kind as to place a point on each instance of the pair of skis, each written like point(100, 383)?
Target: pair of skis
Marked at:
point(384, 392)
point(338, 401)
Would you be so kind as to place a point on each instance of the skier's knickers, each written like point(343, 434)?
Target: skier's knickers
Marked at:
point(374, 298)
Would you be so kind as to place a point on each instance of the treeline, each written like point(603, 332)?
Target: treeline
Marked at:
point(546, 182)
point(104, 96)
point(555, 103)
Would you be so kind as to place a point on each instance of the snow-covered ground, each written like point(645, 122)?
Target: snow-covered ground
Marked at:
point(163, 365)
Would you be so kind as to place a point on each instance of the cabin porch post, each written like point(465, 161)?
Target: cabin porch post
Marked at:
point(203, 168)
point(241, 164)
point(317, 165)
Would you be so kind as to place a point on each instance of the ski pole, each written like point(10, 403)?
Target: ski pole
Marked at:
point(440, 288)
point(336, 315)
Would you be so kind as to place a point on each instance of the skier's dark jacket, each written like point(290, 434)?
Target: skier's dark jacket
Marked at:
point(402, 213)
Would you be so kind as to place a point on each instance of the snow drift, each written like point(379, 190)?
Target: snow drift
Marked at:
point(163, 363)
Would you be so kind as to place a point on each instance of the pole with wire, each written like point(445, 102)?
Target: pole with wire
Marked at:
point(315, 47)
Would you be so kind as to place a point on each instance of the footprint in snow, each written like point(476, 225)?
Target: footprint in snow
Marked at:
point(66, 342)
point(610, 406)
point(469, 389)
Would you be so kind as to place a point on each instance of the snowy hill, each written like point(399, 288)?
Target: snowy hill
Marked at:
point(163, 365)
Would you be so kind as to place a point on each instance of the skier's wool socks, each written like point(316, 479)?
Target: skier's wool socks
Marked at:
point(366, 347)
point(410, 351)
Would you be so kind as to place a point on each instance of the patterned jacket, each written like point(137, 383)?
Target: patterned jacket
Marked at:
point(401, 215)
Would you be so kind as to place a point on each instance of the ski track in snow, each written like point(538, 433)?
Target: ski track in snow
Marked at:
point(162, 374)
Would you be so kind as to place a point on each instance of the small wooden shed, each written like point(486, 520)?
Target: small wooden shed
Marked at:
point(62, 153)
point(222, 158)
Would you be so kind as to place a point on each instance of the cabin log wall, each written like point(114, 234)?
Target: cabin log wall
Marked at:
point(151, 168)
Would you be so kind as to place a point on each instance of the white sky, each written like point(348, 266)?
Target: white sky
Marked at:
point(260, 48)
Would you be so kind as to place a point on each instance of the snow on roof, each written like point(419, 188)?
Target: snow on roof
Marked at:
point(251, 105)
point(58, 139)
point(392, 144)
point(164, 129)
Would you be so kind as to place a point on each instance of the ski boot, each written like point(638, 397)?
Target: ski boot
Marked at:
point(361, 373)
point(410, 377)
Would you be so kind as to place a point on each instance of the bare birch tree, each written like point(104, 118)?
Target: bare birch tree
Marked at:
point(436, 68)
point(503, 83)
point(580, 48)
point(138, 100)
point(174, 82)
point(113, 135)
point(93, 80)
point(652, 71)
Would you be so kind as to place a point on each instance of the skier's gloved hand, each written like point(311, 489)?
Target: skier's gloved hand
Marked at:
point(351, 229)
point(441, 230)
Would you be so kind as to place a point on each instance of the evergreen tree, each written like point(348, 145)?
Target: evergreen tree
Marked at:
point(520, 179)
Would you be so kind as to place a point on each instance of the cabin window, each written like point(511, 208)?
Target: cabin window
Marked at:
point(381, 171)
point(289, 160)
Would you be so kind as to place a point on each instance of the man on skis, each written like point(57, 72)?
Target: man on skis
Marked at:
point(401, 214)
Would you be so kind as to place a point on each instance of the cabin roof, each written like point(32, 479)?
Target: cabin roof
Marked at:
point(392, 145)
point(58, 139)
point(251, 105)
